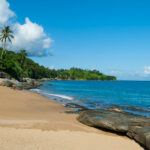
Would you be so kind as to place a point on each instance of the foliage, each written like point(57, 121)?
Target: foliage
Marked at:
point(80, 74)
point(5, 35)
point(18, 66)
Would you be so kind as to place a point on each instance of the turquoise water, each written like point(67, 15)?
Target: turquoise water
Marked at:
point(131, 96)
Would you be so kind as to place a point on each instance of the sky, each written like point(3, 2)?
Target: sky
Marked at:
point(111, 36)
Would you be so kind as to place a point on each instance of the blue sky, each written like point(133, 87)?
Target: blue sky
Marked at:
point(112, 36)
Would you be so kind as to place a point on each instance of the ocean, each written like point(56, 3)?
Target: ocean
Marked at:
point(130, 96)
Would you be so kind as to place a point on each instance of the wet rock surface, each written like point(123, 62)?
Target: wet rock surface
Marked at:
point(134, 126)
point(75, 106)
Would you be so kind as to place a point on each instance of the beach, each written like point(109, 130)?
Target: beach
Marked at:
point(31, 121)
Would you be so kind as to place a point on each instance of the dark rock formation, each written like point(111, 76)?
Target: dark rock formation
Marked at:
point(134, 126)
point(75, 106)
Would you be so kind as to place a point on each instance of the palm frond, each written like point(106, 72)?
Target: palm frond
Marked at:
point(11, 36)
point(6, 33)
point(9, 39)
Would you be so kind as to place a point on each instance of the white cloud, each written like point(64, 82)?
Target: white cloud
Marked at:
point(5, 12)
point(144, 74)
point(31, 37)
point(28, 36)
point(115, 72)
point(52, 67)
point(147, 70)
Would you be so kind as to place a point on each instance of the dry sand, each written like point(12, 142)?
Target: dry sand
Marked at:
point(29, 121)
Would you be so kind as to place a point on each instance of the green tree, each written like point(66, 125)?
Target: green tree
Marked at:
point(6, 34)
point(23, 55)
point(18, 66)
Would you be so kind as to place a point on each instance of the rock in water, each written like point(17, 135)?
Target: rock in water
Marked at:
point(134, 126)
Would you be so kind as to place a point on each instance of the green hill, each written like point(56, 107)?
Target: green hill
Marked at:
point(18, 66)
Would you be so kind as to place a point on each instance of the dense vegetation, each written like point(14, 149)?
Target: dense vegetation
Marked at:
point(18, 66)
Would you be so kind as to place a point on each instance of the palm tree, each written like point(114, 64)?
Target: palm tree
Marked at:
point(23, 55)
point(6, 34)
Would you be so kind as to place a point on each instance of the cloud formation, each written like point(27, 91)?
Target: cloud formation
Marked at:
point(31, 37)
point(28, 36)
point(5, 12)
point(115, 72)
point(147, 70)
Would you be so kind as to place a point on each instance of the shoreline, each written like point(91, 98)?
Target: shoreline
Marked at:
point(26, 111)
point(65, 98)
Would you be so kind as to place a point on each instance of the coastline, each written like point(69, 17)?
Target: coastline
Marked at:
point(42, 121)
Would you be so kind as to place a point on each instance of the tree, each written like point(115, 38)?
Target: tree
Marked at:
point(6, 34)
point(23, 55)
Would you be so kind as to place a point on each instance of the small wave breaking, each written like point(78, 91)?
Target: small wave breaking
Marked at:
point(35, 90)
point(60, 96)
point(53, 95)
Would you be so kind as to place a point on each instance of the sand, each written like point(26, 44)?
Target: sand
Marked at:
point(29, 121)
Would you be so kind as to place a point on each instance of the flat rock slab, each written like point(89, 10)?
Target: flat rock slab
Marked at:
point(134, 126)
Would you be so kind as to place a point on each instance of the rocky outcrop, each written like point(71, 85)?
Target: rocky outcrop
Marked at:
point(134, 126)
point(77, 107)
point(31, 84)
point(10, 83)
point(26, 84)
point(48, 79)
point(3, 75)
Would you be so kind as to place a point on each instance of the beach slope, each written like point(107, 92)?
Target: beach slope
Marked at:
point(31, 121)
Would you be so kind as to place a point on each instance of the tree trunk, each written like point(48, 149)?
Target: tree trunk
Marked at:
point(3, 50)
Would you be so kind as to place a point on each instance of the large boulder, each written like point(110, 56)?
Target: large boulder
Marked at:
point(28, 84)
point(8, 82)
point(45, 79)
point(3, 75)
point(134, 126)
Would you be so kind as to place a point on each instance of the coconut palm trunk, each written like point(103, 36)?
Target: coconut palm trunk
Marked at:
point(3, 51)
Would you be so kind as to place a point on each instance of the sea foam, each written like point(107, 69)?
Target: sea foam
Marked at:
point(50, 94)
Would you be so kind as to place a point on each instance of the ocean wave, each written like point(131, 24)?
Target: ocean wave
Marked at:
point(35, 90)
point(50, 94)
point(59, 95)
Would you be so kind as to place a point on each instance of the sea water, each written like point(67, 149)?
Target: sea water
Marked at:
point(131, 96)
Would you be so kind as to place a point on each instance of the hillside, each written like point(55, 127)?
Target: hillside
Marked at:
point(18, 66)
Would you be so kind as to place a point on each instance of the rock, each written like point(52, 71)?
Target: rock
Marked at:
point(45, 79)
point(134, 126)
point(3, 75)
point(28, 80)
point(30, 83)
point(148, 141)
point(8, 82)
point(115, 109)
point(130, 108)
point(11, 83)
point(75, 106)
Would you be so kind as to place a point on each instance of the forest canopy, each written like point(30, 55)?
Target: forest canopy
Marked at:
point(18, 66)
